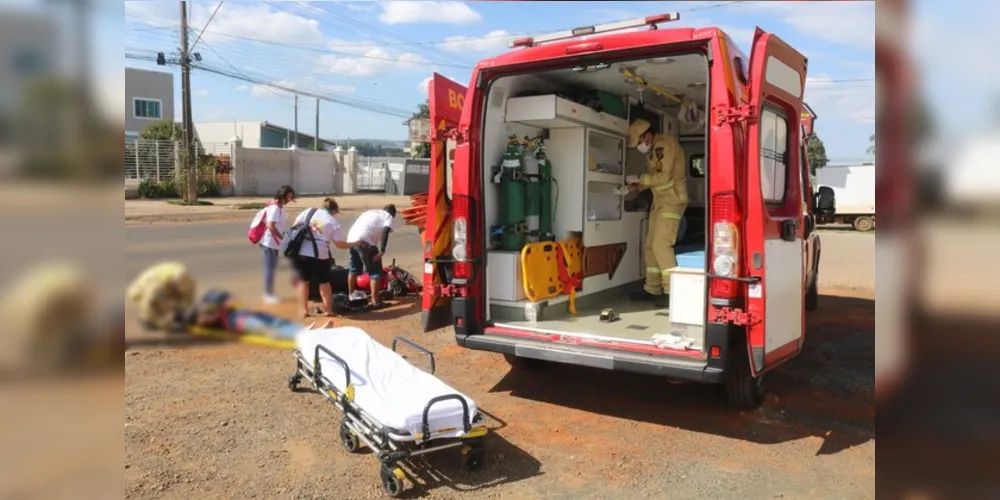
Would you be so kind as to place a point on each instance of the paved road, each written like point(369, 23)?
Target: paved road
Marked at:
point(218, 253)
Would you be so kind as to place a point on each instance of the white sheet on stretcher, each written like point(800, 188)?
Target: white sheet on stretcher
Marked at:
point(386, 386)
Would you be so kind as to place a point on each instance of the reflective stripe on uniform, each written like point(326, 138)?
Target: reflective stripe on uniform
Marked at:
point(644, 180)
point(652, 270)
point(667, 185)
point(666, 273)
point(671, 215)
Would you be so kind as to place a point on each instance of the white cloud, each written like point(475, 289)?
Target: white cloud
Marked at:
point(841, 100)
point(846, 23)
point(431, 11)
point(491, 42)
point(361, 6)
point(201, 92)
point(259, 22)
point(307, 84)
point(363, 61)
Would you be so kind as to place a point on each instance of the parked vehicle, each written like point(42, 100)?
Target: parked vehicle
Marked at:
point(853, 188)
point(747, 260)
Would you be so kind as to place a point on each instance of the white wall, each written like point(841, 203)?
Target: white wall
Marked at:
point(261, 171)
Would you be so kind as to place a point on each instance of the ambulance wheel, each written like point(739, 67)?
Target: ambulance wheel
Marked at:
point(473, 457)
point(743, 390)
point(864, 224)
point(812, 296)
point(392, 481)
point(519, 363)
point(348, 440)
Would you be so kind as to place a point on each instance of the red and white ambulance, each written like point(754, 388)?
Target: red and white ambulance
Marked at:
point(747, 259)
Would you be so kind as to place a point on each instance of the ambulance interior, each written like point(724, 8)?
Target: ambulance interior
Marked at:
point(587, 145)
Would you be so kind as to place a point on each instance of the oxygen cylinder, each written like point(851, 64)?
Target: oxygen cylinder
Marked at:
point(513, 192)
point(545, 198)
point(532, 210)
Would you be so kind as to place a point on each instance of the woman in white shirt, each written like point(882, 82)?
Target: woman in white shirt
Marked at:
point(313, 261)
point(270, 243)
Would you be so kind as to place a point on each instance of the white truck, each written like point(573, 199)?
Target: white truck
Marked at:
point(847, 192)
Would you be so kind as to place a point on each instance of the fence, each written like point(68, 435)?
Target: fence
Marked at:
point(373, 173)
point(158, 161)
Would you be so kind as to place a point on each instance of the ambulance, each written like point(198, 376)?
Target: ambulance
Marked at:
point(747, 252)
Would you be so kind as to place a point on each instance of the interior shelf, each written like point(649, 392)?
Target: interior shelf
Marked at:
point(552, 112)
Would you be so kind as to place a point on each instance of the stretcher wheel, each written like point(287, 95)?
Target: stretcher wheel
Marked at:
point(474, 457)
point(392, 481)
point(293, 382)
point(348, 440)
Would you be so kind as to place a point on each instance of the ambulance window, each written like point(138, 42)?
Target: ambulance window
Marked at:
point(696, 166)
point(773, 156)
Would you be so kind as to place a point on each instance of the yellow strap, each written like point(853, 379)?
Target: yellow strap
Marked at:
point(671, 215)
point(652, 270)
point(662, 187)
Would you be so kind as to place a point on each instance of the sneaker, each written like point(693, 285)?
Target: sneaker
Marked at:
point(271, 300)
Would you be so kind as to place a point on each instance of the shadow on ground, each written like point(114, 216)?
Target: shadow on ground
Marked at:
point(826, 392)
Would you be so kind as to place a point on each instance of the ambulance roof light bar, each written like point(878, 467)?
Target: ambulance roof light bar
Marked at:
point(651, 21)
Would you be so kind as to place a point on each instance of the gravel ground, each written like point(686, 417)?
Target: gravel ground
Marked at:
point(217, 421)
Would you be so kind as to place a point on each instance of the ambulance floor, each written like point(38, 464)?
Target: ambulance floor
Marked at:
point(638, 320)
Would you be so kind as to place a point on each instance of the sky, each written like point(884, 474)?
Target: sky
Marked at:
point(379, 55)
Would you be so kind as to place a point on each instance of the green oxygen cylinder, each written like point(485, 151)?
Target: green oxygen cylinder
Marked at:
point(512, 197)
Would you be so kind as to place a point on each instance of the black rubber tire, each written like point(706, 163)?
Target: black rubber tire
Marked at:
point(812, 295)
point(475, 458)
point(348, 440)
point(519, 363)
point(743, 390)
point(863, 224)
point(392, 485)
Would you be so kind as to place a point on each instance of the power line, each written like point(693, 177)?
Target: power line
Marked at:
point(214, 12)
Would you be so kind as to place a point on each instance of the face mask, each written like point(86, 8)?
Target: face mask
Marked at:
point(643, 148)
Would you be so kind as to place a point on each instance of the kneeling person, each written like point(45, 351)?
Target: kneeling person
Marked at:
point(372, 227)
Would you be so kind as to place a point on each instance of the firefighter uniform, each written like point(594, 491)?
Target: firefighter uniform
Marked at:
point(161, 292)
point(667, 180)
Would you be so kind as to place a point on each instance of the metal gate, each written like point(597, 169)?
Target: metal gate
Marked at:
point(372, 173)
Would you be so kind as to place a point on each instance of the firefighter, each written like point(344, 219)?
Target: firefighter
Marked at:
point(161, 294)
point(667, 180)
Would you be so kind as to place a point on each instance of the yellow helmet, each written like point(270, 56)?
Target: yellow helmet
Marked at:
point(636, 129)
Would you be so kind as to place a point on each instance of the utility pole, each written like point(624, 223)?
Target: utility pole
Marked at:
point(190, 165)
point(296, 136)
point(316, 137)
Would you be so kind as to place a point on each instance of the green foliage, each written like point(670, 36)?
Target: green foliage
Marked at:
point(152, 190)
point(421, 150)
point(372, 150)
point(164, 130)
point(423, 110)
point(816, 153)
point(871, 145)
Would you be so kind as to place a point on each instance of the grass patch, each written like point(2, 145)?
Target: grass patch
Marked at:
point(251, 206)
point(199, 203)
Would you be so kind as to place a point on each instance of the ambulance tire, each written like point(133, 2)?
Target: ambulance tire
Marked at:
point(812, 296)
point(743, 390)
point(519, 363)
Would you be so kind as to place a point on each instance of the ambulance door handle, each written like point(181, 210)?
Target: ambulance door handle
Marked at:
point(789, 228)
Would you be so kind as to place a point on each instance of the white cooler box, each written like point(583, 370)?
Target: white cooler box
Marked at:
point(687, 296)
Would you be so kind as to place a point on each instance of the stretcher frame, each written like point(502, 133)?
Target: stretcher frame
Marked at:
point(390, 445)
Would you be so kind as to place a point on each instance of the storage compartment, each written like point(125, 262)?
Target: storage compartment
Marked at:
point(550, 111)
point(587, 150)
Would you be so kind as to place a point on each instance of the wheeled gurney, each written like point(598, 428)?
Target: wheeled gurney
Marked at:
point(389, 405)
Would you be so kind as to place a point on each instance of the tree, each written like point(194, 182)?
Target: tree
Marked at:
point(871, 145)
point(422, 149)
point(164, 130)
point(816, 153)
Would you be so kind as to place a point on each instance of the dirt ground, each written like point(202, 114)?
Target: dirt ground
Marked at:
point(218, 421)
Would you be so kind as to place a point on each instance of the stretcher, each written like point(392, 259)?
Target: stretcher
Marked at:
point(387, 404)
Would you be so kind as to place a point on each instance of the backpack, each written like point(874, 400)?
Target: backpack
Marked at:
point(297, 235)
point(259, 225)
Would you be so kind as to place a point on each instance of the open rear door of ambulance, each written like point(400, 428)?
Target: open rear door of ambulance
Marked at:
point(446, 100)
point(774, 253)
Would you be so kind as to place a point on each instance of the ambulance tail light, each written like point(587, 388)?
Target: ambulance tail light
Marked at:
point(460, 237)
point(725, 249)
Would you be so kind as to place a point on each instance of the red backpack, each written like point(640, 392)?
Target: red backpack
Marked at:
point(259, 225)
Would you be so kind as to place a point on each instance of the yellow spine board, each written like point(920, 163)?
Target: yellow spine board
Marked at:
point(540, 269)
